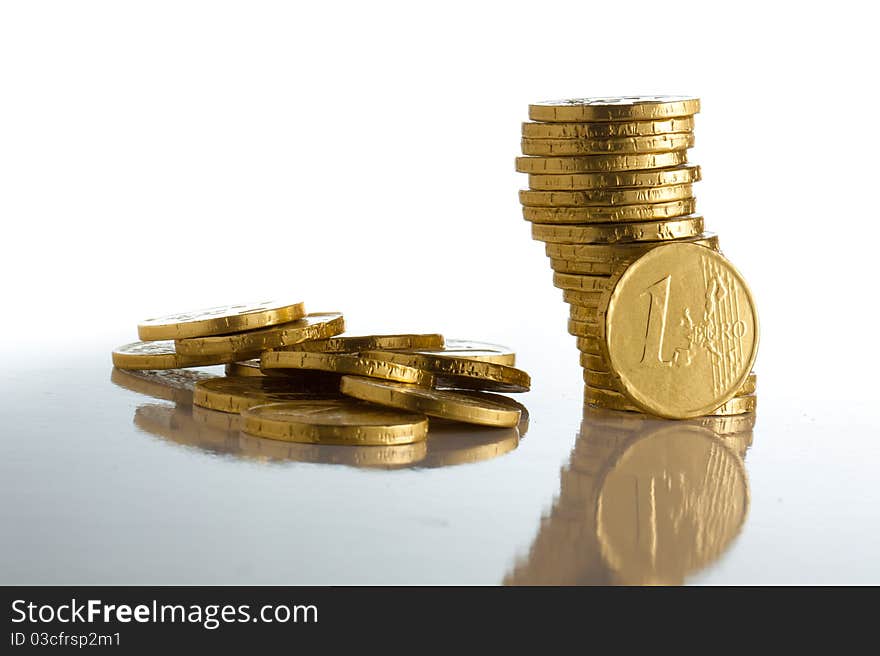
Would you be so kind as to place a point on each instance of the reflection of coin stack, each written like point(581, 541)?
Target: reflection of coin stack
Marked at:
point(608, 182)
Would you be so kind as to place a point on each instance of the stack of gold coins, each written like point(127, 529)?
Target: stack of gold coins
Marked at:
point(293, 376)
point(609, 181)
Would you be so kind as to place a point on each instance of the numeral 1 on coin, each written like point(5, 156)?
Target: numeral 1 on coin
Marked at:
point(655, 330)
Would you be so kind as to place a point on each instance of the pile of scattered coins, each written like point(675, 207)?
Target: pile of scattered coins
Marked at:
point(665, 325)
point(295, 377)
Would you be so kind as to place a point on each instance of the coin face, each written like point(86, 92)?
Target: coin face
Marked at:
point(680, 331)
point(614, 108)
point(220, 320)
point(334, 421)
point(467, 408)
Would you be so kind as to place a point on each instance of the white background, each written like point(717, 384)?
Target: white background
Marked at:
point(161, 156)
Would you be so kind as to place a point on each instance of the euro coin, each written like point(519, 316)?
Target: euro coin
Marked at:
point(613, 108)
point(334, 421)
point(605, 197)
point(607, 380)
point(585, 268)
point(599, 163)
point(593, 362)
point(609, 130)
point(583, 328)
point(614, 233)
point(471, 350)
point(589, 345)
point(238, 394)
point(584, 313)
point(446, 404)
point(460, 372)
point(615, 181)
point(161, 355)
point(356, 343)
point(347, 363)
point(583, 299)
point(659, 143)
point(220, 320)
point(617, 401)
point(680, 331)
point(317, 325)
point(619, 253)
point(618, 214)
point(584, 283)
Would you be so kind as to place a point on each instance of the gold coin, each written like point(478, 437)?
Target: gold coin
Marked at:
point(220, 320)
point(593, 362)
point(607, 380)
point(334, 421)
point(583, 328)
point(460, 372)
point(613, 233)
point(471, 350)
point(619, 253)
point(584, 299)
point(584, 313)
point(619, 108)
point(680, 331)
point(583, 267)
point(590, 345)
point(161, 355)
point(244, 368)
point(169, 384)
point(583, 283)
point(617, 180)
point(605, 197)
point(600, 163)
point(608, 130)
point(357, 343)
point(618, 214)
point(658, 143)
point(318, 325)
point(446, 404)
point(617, 401)
point(347, 363)
point(237, 394)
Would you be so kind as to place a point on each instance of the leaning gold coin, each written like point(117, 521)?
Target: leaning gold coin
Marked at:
point(617, 214)
point(614, 233)
point(593, 362)
point(357, 343)
point(317, 325)
point(680, 331)
point(658, 143)
point(471, 350)
point(460, 372)
point(581, 298)
point(220, 320)
point(446, 404)
point(619, 253)
point(610, 130)
point(161, 355)
point(583, 283)
point(605, 197)
point(334, 421)
point(617, 180)
point(347, 363)
point(600, 163)
point(618, 108)
point(238, 394)
point(583, 328)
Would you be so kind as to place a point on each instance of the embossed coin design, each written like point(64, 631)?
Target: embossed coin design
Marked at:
point(680, 331)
